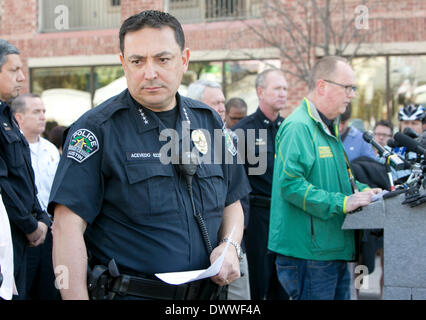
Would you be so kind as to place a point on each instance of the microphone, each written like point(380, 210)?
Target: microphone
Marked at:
point(409, 143)
point(188, 165)
point(392, 143)
point(422, 139)
point(391, 158)
point(410, 132)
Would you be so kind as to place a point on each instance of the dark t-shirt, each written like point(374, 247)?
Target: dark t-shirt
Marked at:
point(328, 122)
point(169, 118)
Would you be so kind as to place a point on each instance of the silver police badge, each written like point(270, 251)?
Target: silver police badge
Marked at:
point(200, 141)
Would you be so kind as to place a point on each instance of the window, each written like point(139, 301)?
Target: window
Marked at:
point(407, 80)
point(370, 101)
point(193, 11)
point(72, 15)
point(236, 77)
point(68, 92)
point(385, 84)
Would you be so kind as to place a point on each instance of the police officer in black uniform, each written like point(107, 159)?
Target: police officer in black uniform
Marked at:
point(271, 89)
point(126, 183)
point(28, 222)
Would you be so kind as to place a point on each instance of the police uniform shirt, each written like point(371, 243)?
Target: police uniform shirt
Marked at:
point(261, 184)
point(138, 210)
point(17, 176)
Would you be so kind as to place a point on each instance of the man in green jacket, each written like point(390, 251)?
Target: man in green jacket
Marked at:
point(313, 188)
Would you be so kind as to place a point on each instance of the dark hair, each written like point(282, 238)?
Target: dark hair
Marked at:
point(56, 135)
point(152, 19)
point(384, 123)
point(235, 103)
point(6, 48)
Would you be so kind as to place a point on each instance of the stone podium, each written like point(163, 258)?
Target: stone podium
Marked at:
point(404, 244)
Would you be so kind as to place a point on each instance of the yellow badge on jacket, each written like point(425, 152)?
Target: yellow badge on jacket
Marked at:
point(325, 152)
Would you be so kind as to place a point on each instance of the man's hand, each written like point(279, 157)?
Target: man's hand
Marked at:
point(361, 199)
point(375, 191)
point(38, 236)
point(230, 270)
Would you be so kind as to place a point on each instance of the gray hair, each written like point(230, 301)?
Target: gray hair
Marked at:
point(19, 104)
point(261, 77)
point(196, 89)
point(6, 48)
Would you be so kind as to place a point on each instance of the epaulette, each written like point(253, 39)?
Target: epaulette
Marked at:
point(106, 109)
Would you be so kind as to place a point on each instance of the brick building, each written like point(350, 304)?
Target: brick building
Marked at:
point(70, 49)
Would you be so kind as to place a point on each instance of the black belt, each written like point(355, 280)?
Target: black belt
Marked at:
point(155, 289)
point(260, 201)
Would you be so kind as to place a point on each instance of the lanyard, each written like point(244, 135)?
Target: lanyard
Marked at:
point(351, 176)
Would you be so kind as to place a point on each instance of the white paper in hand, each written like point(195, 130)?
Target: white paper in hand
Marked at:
point(378, 196)
point(177, 278)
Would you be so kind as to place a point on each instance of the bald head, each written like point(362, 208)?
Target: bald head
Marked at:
point(332, 86)
point(324, 69)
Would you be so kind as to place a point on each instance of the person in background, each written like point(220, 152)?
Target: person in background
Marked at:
point(49, 126)
point(313, 189)
point(412, 116)
point(210, 93)
point(56, 136)
point(382, 131)
point(235, 111)
point(28, 222)
point(355, 145)
point(271, 89)
point(30, 112)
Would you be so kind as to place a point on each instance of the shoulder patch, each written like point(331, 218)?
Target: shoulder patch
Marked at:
point(228, 141)
point(83, 144)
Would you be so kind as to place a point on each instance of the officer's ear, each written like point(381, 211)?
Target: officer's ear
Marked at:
point(123, 64)
point(185, 59)
point(259, 92)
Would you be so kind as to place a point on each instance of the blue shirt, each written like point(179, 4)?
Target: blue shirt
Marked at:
point(138, 209)
point(356, 146)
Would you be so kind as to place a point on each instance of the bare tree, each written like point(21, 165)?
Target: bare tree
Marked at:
point(303, 29)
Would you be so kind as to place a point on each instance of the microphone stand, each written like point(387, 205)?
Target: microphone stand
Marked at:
point(389, 172)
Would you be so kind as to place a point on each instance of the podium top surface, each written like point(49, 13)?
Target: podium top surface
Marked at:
point(374, 215)
point(370, 217)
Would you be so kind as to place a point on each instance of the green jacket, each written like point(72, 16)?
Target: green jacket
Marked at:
point(310, 188)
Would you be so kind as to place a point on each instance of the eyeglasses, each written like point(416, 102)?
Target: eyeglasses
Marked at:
point(385, 135)
point(348, 88)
